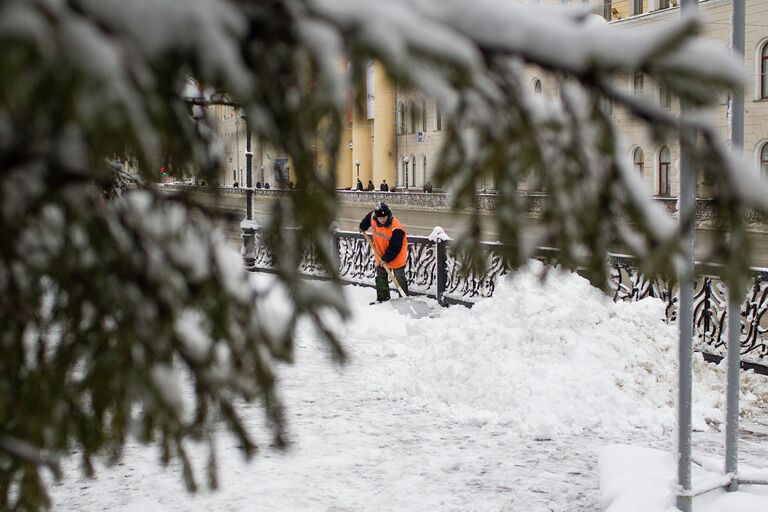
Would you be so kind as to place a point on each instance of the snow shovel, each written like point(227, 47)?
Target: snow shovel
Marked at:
point(416, 309)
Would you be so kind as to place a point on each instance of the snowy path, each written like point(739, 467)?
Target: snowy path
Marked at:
point(364, 440)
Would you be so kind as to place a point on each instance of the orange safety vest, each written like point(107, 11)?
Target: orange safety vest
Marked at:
point(381, 237)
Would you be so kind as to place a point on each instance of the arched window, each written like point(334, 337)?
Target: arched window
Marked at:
point(423, 169)
point(764, 72)
point(401, 118)
point(639, 160)
point(411, 116)
point(665, 161)
point(637, 82)
point(424, 116)
point(537, 86)
point(438, 118)
point(764, 161)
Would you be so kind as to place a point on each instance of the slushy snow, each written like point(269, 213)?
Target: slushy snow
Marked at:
point(501, 407)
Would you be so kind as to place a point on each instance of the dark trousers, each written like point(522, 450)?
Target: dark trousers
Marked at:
point(382, 282)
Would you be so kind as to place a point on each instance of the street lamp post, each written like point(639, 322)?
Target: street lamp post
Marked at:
point(248, 171)
point(249, 233)
point(239, 173)
point(406, 162)
point(357, 165)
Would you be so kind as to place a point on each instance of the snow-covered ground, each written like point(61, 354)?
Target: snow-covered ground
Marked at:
point(501, 407)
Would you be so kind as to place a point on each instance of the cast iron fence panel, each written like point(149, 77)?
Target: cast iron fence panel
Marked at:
point(421, 268)
point(309, 262)
point(474, 285)
point(263, 257)
point(433, 270)
point(355, 258)
point(356, 263)
point(756, 322)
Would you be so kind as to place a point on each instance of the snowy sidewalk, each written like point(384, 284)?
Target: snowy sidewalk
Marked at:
point(474, 410)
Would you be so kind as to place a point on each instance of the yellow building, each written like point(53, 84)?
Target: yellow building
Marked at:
point(399, 136)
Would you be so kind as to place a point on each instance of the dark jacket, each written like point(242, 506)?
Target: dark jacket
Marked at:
point(395, 243)
point(384, 187)
point(359, 185)
point(371, 187)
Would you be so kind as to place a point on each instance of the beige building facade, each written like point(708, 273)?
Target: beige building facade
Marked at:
point(399, 136)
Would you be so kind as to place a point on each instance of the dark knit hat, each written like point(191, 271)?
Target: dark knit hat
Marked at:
point(382, 210)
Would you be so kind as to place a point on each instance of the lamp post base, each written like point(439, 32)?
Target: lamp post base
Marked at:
point(249, 246)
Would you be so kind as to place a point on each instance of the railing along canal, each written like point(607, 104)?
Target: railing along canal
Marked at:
point(433, 271)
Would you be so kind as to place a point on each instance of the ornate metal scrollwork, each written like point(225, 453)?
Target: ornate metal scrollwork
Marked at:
point(421, 268)
point(753, 322)
point(309, 263)
point(355, 259)
point(473, 285)
point(627, 284)
point(710, 315)
point(263, 255)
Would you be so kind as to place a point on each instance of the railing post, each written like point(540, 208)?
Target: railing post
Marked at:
point(442, 270)
point(335, 249)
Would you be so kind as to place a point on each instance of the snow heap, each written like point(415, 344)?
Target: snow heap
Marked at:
point(639, 479)
point(438, 235)
point(547, 357)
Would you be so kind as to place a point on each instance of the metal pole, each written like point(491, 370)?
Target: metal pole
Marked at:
point(685, 313)
point(248, 172)
point(238, 178)
point(734, 313)
point(407, 165)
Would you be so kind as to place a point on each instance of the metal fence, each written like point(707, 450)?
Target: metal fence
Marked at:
point(433, 271)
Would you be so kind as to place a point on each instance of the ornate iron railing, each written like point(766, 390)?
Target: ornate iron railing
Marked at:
point(433, 270)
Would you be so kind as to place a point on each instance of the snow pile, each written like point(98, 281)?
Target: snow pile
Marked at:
point(545, 358)
point(635, 479)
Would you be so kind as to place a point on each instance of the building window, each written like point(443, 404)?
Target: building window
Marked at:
point(663, 4)
point(411, 116)
point(423, 169)
point(764, 161)
point(424, 116)
point(537, 86)
point(401, 118)
point(413, 171)
point(764, 72)
point(607, 10)
point(664, 163)
point(639, 160)
point(438, 118)
point(637, 83)
point(639, 7)
point(665, 97)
